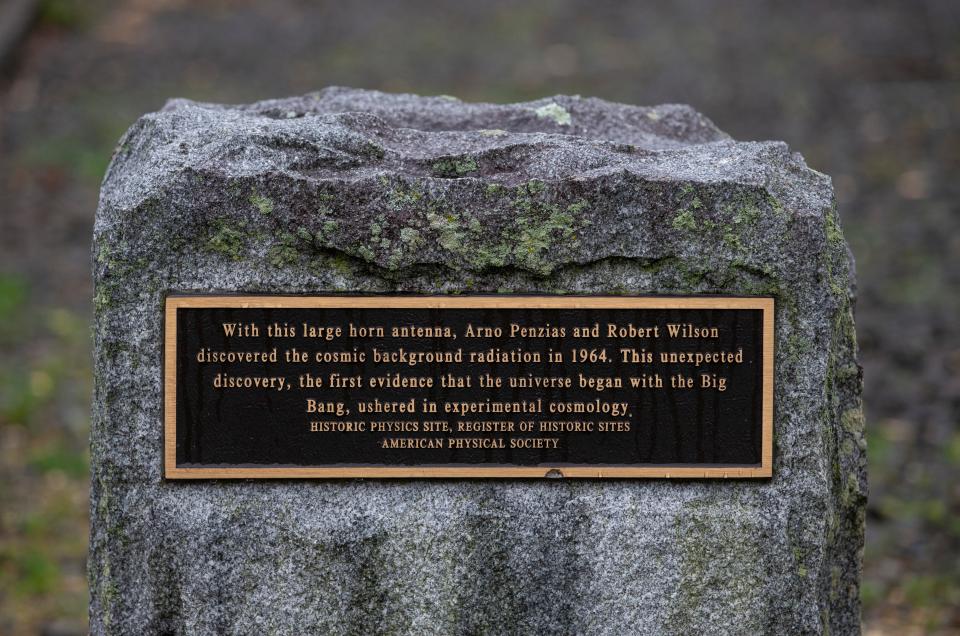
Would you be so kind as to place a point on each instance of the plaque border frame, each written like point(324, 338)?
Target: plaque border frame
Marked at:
point(684, 471)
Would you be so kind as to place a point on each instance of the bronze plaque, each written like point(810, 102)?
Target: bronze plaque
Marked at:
point(468, 386)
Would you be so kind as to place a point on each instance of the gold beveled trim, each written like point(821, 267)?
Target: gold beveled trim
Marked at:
point(171, 471)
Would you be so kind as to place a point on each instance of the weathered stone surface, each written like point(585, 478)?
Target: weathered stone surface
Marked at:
point(365, 192)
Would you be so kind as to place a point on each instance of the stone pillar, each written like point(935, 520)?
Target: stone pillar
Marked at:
point(355, 191)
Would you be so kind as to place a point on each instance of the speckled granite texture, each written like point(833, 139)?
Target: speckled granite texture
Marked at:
point(354, 191)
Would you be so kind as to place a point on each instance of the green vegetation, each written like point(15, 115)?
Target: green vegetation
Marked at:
point(38, 574)
point(58, 458)
point(43, 481)
point(13, 296)
point(63, 13)
point(71, 155)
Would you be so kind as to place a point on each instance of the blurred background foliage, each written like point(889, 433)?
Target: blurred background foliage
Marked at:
point(868, 91)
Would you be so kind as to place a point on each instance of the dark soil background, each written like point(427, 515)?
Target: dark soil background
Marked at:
point(868, 91)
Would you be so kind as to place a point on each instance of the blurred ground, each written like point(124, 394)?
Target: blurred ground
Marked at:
point(868, 91)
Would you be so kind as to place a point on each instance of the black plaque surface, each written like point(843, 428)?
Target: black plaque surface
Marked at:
point(484, 386)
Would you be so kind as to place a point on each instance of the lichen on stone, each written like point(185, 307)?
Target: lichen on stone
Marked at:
point(226, 238)
point(554, 112)
point(684, 220)
point(454, 167)
point(264, 205)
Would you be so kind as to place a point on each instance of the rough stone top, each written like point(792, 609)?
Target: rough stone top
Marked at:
point(658, 127)
point(348, 135)
point(565, 173)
